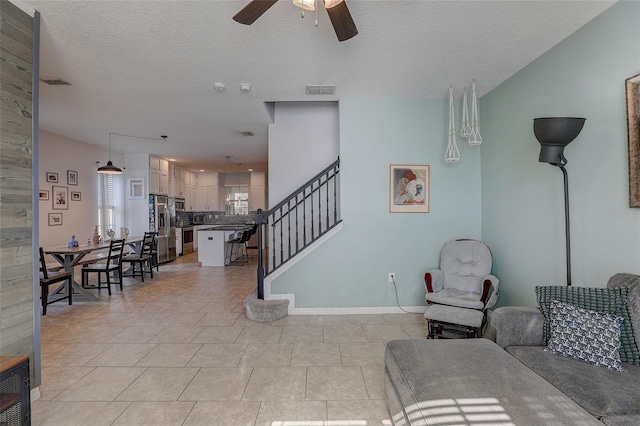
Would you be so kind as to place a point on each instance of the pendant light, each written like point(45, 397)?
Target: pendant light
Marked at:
point(110, 169)
point(453, 154)
point(474, 137)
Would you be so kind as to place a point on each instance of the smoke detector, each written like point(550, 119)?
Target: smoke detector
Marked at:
point(245, 87)
point(219, 87)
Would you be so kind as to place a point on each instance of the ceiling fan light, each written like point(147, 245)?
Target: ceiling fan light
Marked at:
point(332, 3)
point(109, 169)
point(305, 4)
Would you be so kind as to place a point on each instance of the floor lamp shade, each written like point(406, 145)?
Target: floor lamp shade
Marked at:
point(554, 133)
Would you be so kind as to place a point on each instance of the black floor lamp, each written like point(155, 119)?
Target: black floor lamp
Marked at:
point(554, 133)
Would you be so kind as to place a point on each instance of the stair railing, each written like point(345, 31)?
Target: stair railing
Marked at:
point(297, 222)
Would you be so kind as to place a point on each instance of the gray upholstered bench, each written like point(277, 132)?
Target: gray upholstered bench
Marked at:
point(455, 319)
point(470, 381)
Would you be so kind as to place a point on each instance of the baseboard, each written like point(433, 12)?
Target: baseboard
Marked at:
point(372, 310)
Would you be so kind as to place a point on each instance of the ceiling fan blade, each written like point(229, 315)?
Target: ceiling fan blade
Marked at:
point(253, 11)
point(342, 21)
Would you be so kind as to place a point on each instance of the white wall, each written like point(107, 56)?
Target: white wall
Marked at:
point(523, 200)
point(303, 140)
point(58, 154)
point(350, 270)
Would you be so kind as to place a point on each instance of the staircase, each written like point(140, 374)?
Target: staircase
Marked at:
point(297, 222)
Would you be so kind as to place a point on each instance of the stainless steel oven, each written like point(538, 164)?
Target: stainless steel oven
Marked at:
point(187, 240)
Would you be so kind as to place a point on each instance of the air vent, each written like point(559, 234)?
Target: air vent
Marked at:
point(55, 82)
point(247, 133)
point(321, 90)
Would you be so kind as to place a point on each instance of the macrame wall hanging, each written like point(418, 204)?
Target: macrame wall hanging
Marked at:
point(453, 154)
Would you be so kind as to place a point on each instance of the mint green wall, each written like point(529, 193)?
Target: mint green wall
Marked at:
point(522, 199)
point(350, 270)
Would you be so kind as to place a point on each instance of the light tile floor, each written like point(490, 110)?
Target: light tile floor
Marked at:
point(178, 350)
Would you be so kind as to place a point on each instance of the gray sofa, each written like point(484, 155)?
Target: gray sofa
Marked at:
point(475, 381)
point(610, 396)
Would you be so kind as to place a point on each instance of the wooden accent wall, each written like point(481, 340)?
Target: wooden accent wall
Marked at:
point(16, 177)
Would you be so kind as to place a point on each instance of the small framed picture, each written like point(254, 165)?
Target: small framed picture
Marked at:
point(72, 177)
point(408, 188)
point(52, 177)
point(60, 198)
point(75, 196)
point(55, 219)
point(43, 194)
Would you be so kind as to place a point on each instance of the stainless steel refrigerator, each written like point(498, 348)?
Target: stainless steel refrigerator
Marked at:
point(162, 219)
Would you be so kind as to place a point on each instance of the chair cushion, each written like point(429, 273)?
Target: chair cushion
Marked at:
point(464, 264)
point(454, 297)
point(585, 335)
point(607, 300)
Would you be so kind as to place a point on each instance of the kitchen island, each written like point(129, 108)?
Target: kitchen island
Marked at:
point(212, 243)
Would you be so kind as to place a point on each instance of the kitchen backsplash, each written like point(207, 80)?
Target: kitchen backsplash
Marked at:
point(186, 218)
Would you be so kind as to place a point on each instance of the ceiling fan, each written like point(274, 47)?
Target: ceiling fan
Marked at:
point(338, 12)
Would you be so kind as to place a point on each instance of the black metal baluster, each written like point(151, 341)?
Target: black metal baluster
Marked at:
point(297, 226)
point(335, 195)
point(319, 207)
point(312, 219)
point(273, 246)
point(289, 227)
point(260, 271)
point(304, 218)
point(327, 186)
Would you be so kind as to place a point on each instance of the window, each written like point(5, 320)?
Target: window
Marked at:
point(237, 199)
point(109, 202)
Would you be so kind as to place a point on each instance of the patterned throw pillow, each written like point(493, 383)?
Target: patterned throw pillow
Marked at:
point(586, 335)
point(599, 299)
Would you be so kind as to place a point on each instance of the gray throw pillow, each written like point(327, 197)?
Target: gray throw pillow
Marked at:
point(599, 299)
point(585, 335)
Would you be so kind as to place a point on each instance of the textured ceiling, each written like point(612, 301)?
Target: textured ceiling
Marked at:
point(148, 67)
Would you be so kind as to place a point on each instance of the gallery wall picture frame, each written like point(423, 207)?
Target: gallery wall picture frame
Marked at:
point(43, 194)
point(76, 196)
point(52, 177)
point(55, 219)
point(60, 197)
point(72, 177)
point(409, 188)
point(632, 85)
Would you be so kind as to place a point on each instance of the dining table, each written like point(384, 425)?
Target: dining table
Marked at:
point(69, 257)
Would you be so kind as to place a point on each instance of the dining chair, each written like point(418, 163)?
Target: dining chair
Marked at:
point(47, 278)
point(145, 257)
point(112, 265)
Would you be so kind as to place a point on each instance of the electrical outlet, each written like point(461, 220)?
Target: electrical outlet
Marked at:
point(392, 277)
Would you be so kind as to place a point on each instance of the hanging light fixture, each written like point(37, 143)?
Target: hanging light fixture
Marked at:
point(110, 169)
point(453, 154)
point(474, 137)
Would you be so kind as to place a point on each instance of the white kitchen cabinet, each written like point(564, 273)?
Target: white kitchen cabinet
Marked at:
point(176, 182)
point(158, 182)
point(207, 198)
point(190, 198)
point(257, 198)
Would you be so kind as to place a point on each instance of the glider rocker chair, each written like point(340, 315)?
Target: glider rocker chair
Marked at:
point(460, 292)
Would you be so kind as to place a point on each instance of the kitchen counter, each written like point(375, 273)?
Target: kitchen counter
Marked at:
point(212, 243)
